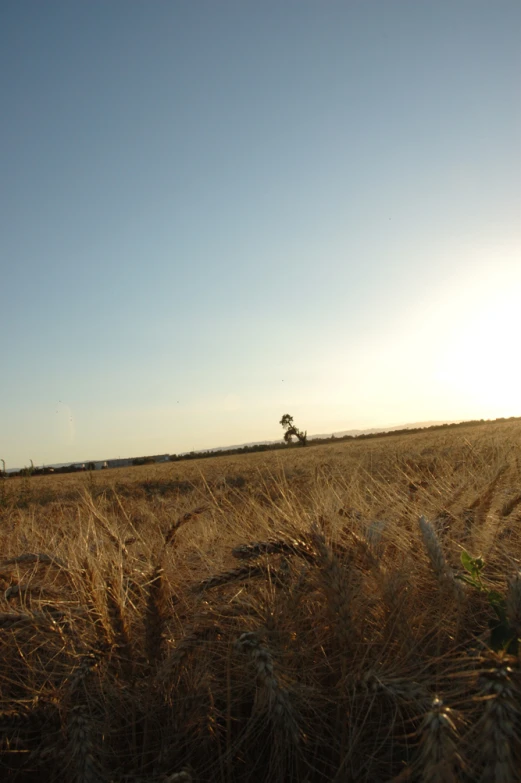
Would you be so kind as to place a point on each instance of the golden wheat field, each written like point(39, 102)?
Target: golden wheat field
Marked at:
point(284, 616)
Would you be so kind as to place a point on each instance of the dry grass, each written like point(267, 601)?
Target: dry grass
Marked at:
point(269, 617)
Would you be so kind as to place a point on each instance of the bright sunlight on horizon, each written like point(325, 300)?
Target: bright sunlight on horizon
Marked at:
point(216, 213)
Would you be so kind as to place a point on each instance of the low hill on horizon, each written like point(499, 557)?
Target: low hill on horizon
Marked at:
point(336, 434)
point(374, 430)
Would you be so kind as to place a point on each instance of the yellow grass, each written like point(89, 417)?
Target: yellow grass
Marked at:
point(269, 617)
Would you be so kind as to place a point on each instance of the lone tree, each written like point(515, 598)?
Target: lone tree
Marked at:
point(290, 430)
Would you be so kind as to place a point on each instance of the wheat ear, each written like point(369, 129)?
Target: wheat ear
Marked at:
point(81, 746)
point(30, 557)
point(439, 758)
point(336, 587)
point(274, 547)
point(510, 505)
point(155, 616)
point(172, 532)
point(120, 629)
point(270, 697)
point(403, 689)
point(41, 619)
point(242, 574)
point(442, 570)
point(513, 602)
point(80, 728)
point(499, 723)
point(104, 525)
point(180, 777)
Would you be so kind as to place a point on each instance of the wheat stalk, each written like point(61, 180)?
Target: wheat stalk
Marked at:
point(186, 646)
point(104, 525)
point(172, 532)
point(498, 725)
point(442, 570)
point(40, 557)
point(404, 689)
point(81, 746)
point(270, 697)
point(156, 614)
point(97, 608)
point(179, 777)
point(120, 629)
point(28, 590)
point(439, 760)
point(243, 573)
point(42, 619)
point(274, 547)
point(510, 505)
point(367, 549)
point(78, 677)
point(513, 602)
point(80, 726)
point(337, 589)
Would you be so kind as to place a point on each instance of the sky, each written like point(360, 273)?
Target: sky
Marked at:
point(213, 213)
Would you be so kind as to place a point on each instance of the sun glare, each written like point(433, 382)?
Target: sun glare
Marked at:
point(481, 359)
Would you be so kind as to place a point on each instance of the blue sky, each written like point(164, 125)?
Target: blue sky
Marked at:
point(214, 213)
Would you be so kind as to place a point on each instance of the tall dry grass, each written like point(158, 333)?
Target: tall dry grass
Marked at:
point(288, 617)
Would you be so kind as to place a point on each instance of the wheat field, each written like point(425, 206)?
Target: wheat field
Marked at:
point(306, 615)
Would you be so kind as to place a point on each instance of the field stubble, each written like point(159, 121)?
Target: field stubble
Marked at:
point(270, 617)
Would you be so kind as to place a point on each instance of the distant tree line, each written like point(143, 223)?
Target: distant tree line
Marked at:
point(32, 471)
point(286, 444)
point(332, 439)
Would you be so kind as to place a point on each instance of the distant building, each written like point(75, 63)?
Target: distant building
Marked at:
point(118, 463)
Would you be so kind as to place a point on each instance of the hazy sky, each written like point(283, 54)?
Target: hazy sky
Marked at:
point(213, 213)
